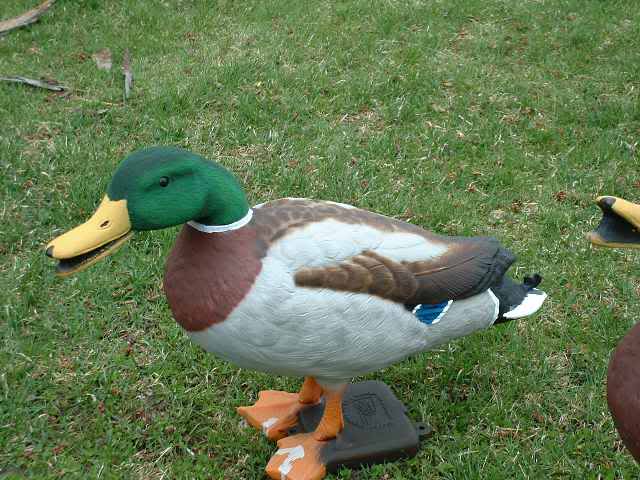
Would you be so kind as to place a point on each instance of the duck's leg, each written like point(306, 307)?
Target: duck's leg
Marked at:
point(299, 456)
point(276, 412)
point(310, 392)
point(332, 421)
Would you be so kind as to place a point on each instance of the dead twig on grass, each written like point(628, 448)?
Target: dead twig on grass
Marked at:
point(128, 74)
point(26, 18)
point(46, 84)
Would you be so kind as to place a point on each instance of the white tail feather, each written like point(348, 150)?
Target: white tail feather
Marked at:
point(530, 305)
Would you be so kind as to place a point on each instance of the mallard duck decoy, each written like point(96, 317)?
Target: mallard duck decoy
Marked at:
point(315, 289)
point(619, 228)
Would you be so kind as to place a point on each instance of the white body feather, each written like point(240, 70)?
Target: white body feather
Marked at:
point(332, 335)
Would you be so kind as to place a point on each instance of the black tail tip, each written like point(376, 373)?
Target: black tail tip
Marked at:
point(532, 281)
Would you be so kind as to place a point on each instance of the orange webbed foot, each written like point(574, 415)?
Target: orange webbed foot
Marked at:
point(275, 413)
point(298, 458)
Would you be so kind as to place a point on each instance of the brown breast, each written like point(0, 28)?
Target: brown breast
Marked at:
point(208, 275)
point(623, 390)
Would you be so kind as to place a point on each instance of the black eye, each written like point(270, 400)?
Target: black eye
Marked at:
point(164, 181)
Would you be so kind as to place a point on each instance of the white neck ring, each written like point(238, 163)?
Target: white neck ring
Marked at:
point(222, 228)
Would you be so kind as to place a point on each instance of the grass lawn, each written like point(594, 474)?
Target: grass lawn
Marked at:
point(469, 117)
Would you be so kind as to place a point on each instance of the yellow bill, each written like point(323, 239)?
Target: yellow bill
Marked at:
point(101, 235)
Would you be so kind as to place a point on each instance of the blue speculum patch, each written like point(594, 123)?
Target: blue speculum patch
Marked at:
point(431, 314)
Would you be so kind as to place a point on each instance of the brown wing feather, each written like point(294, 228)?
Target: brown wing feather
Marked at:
point(365, 273)
point(469, 267)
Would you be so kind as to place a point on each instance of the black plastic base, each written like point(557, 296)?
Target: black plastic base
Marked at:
point(376, 428)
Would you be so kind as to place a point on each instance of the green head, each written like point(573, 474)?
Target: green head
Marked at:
point(153, 188)
point(166, 186)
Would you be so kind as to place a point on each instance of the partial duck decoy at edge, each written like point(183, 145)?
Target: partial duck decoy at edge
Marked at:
point(298, 287)
point(619, 228)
